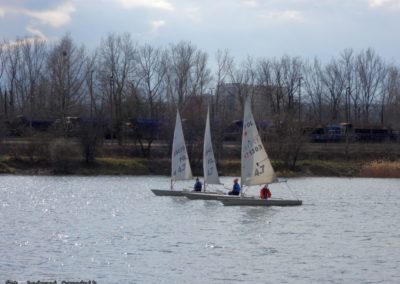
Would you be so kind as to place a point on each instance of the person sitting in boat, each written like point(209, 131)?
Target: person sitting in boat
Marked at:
point(265, 193)
point(236, 187)
point(197, 185)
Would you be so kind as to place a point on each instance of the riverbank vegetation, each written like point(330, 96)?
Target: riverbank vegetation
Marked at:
point(328, 159)
point(110, 166)
point(381, 169)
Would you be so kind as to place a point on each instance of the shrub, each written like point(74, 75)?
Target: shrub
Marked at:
point(63, 153)
point(381, 169)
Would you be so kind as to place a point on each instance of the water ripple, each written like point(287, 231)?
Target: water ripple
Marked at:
point(114, 230)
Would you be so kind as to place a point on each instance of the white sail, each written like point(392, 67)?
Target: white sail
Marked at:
point(256, 166)
point(209, 165)
point(180, 160)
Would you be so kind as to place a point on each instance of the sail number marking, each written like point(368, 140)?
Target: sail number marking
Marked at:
point(179, 150)
point(253, 150)
point(248, 124)
point(179, 169)
point(259, 170)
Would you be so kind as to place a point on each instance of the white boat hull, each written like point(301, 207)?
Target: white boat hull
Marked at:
point(253, 201)
point(168, 192)
point(204, 195)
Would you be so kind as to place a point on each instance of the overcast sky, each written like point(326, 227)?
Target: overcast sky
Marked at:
point(260, 28)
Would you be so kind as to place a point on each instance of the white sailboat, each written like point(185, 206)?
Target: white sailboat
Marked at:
point(210, 171)
point(209, 165)
point(256, 168)
point(180, 166)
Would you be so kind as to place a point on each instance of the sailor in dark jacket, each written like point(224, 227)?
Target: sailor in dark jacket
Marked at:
point(236, 188)
point(197, 185)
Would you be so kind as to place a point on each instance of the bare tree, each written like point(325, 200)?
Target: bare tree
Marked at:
point(186, 80)
point(200, 80)
point(201, 75)
point(264, 79)
point(285, 76)
point(90, 128)
point(348, 62)
point(277, 79)
point(117, 67)
point(224, 65)
point(333, 78)
point(182, 58)
point(314, 91)
point(152, 71)
point(2, 60)
point(2, 68)
point(31, 75)
point(67, 75)
point(243, 80)
point(264, 72)
point(371, 72)
point(92, 97)
point(390, 103)
point(218, 110)
point(3, 101)
point(12, 61)
point(291, 74)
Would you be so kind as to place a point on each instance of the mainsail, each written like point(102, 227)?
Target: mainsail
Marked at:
point(256, 166)
point(180, 160)
point(209, 165)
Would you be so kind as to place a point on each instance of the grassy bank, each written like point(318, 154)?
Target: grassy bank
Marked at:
point(138, 166)
point(102, 166)
point(50, 157)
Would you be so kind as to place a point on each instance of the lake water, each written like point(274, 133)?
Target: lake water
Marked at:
point(114, 230)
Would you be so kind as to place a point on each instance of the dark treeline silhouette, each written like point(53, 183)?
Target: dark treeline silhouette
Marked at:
point(127, 91)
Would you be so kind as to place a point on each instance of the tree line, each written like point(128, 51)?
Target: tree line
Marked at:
point(122, 79)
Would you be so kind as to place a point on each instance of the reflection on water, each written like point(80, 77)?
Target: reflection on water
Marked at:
point(114, 230)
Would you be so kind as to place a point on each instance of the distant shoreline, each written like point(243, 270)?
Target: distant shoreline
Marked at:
point(139, 166)
point(48, 157)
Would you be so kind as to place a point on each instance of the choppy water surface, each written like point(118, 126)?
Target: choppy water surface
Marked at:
point(114, 230)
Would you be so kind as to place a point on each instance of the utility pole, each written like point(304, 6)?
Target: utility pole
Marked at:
point(5, 104)
point(112, 108)
point(300, 78)
point(348, 93)
point(91, 94)
point(210, 102)
point(347, 121)
point(65, 86)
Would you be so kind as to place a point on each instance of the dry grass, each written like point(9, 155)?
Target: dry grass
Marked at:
point(381, 169)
